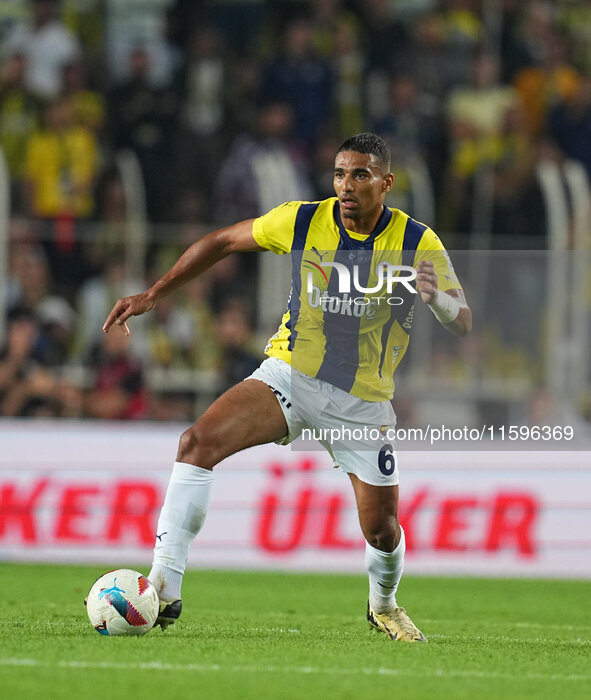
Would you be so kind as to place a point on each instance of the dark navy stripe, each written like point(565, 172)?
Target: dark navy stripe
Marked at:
point(412, 237)
point(351, 243)
point(300, 234)
point(413, 233)
point(302, 224)
point(341, 349)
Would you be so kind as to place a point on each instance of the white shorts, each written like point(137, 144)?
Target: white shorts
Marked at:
point(353, 431)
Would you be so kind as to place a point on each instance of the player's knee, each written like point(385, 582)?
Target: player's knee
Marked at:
point(384, 536)
point(193, 448)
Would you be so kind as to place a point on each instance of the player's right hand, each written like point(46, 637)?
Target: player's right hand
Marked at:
point(135, 305)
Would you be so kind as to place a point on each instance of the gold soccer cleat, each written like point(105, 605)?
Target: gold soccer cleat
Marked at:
point(169, 613)
point(396, 624)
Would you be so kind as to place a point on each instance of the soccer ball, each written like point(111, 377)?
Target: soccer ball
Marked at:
point(122, 602)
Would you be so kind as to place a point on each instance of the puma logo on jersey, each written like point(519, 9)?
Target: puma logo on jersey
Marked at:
point(320, 255)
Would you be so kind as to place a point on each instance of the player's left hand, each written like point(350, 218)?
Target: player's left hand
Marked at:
point(427, 281)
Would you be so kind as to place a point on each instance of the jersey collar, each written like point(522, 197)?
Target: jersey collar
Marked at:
point(353, 243)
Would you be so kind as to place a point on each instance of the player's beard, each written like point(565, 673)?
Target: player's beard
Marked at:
point(352, 214)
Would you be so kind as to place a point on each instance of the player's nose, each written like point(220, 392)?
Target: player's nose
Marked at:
point(347, 183)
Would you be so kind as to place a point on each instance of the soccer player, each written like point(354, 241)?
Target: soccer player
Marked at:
point(330, 364)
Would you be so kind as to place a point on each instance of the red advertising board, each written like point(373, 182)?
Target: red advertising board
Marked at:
point(89, 492)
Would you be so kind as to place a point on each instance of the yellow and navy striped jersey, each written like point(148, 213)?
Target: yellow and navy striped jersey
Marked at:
point(348, 320)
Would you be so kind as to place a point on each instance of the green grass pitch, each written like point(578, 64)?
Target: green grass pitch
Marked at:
point(283, 636)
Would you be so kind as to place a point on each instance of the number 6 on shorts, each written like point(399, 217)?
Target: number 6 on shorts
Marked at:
point(386, 461)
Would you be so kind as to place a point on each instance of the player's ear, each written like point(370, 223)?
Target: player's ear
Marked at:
point(388, 182)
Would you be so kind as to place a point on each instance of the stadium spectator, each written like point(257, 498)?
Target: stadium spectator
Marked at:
point(33, 396)
point(530, 29)
point(462, 27)
point(514, 52)
point(18, 119)
point(29, 383)
point(132, 25)
point(242, 92)
point(476, 117)
point(141, 119)
point(119, 391)
point(484, 102)
point(31, 290)
point(569, 124)
point(442, 44)
point(21, 236)
point(262, 169)
point(94, 299)
point(47, 46)
point(300, 77)
point(379, 26)
point(428, 58)
point(87, 105)
point(412, 125)
point(21, 338)
point(516, 198)
point(56, 318)
point(202, 85)
point(237, 356)
point(108, 229)
point(541, 85)
point(467, 154)
point(198, 299)
point(61, 167)
point(30, 280)
point(170, 336)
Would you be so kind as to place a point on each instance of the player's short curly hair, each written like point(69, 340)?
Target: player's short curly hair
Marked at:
point(369, 143)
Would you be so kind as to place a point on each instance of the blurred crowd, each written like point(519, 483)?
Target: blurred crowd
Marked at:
point(231, 107)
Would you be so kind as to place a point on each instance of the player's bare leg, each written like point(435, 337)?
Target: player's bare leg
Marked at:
point(384, 559)
point(247, 414)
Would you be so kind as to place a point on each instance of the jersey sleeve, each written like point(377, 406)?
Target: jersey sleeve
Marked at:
point(431, 248)
point(274, 230)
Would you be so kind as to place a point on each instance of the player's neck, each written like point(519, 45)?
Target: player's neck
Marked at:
point(364, 225)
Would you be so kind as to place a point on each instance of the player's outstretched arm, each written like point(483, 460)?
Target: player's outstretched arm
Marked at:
point(196, 259)
point(450, 307)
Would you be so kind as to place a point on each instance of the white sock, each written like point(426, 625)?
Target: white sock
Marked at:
point(385, 571)
point(181, 518)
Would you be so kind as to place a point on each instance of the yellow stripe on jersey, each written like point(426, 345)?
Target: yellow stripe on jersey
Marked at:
point(353, 337)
